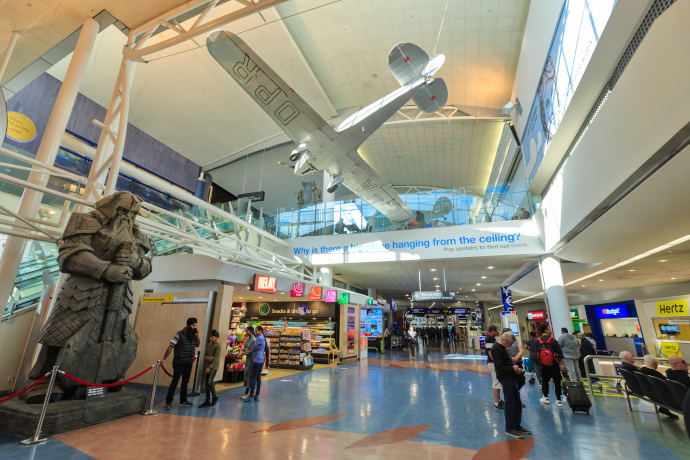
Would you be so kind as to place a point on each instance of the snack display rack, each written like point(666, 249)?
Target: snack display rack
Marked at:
point(239, 310)
point(323, 343)
point(294, 351)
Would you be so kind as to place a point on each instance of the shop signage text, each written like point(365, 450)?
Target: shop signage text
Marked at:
point(574, 314)
point(670, 348)
point(614, 311)
point(672, 308)
point(423, 296)
point(290, 309)
point(20, 128)
point(533, 315)
point(253, 196)
point(263, 283)
point(297, 290)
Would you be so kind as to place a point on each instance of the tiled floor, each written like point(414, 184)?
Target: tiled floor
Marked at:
point(387, 407)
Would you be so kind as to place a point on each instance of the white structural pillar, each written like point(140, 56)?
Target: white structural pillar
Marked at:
point(554, 287)
point(47, 151)
point(326, 275)
point(372, 293)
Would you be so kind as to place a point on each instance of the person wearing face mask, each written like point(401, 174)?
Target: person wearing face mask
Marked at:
point(183, 343)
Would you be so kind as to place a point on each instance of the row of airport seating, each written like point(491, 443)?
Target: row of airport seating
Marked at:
point(661, 393)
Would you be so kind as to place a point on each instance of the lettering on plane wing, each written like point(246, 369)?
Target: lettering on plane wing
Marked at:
point(391, 206)
point(367, 185)
point(247, 70)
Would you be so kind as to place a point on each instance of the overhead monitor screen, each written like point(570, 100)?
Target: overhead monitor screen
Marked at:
point(669, 329)
point(371, 324)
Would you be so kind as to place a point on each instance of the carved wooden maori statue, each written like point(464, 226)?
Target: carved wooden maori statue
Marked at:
point(88, 333)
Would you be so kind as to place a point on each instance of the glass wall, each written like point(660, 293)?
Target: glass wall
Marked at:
point(430, 207)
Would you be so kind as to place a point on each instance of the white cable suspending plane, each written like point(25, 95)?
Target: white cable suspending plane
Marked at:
point(334, 149)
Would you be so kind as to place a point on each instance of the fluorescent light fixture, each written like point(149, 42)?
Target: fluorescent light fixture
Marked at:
point(662, 260)
point(483, 277)
point(621, 264)
point(490, 268)
point(433, 269)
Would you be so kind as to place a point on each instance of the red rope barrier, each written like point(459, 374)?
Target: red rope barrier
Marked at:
point(25, 389)
point(168, 373)
point(107, 385)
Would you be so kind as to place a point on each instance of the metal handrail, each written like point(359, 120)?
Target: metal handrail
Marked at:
point(607, 358)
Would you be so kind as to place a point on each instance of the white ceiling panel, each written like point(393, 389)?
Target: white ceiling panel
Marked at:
point(347, 43)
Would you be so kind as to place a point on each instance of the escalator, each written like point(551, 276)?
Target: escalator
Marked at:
point(39, 258)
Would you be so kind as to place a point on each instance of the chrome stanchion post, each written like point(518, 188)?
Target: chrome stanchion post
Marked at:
point(196, 371)
point(151, 410)
point(36, 439)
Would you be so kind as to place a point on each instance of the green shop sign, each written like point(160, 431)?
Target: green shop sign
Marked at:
point(344, 298)
point(574, 314)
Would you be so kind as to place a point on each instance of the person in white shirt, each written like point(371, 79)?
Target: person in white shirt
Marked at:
point(413, 341)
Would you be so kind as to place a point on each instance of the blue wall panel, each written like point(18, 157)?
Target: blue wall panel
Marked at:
point(36, 101)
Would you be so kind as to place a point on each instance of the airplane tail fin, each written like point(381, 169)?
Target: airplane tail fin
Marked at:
point(407, 62)
point(432, 97)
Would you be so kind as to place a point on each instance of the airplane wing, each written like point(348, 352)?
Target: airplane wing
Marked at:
point(365, 182)
point(290, 112)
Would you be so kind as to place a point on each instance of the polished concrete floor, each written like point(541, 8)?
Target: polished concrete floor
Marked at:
point(438, 407)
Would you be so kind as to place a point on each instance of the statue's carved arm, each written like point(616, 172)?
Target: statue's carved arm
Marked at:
point(77, 257)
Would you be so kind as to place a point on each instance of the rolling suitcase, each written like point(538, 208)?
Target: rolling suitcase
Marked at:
point(576, 395)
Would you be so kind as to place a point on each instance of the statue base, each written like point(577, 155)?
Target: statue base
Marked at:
point(19, 418)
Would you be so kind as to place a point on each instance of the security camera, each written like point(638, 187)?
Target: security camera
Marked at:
point(334, 184)
point(512, 105)
point(295, 154)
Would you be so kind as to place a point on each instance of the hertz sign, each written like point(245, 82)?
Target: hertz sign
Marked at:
point(672, 308)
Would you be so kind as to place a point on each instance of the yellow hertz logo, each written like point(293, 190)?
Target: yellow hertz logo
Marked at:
point(670, 348)
point(672, 308)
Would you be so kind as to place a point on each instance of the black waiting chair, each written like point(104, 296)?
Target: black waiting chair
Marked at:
point(631, 385)
point(662, 391)
point(647, 389)
point(678, 390)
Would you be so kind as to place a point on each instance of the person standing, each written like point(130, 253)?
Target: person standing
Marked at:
point(258, 350)
point(413, 341)
point(507, 372)
point(532, 345)
point(571, 354)
point(587, 349)
point(211, 363)
point(183, 343)
point(247, 351)
point(387, 339)
point(551, 360)
point(515, 351)
point(495, 384)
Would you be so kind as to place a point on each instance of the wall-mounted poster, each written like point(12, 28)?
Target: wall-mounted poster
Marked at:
point(351, 318)
point(371, 323)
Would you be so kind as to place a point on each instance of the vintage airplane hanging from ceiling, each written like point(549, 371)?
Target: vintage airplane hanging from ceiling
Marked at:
point(334, 149)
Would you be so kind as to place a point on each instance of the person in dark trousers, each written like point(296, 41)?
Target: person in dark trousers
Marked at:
point(551, 359)
point(259, 357)
point(184, 342)
point(587, 349)
point(211, 363)
point(531, 345)
point(507, 372)
point(489, 342)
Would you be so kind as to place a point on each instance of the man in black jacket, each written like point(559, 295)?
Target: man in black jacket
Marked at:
point(183, 343)
point(550, 371)
point(506, 371)
point(678, 371)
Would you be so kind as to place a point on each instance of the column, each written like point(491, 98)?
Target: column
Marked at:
point(552, 281)
point(371, 292)
point(326, 275)
point(47, 151)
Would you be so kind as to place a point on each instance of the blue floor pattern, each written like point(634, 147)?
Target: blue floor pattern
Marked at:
point(457, 404)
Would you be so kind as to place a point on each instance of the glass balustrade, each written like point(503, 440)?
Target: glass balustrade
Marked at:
point(430, 208)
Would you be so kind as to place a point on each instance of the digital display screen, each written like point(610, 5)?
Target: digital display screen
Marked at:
point(514, 328)
point(371, 323)
point(669, 329)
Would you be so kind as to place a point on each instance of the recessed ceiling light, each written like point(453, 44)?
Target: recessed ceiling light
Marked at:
point(672, 278)
point(662, 260)
point(631, 270)
point(435, 279)
point(479, 284)
point(437, 290)
point(583, 285)
point(261, 297)
point(433, 269)
point(601, 280)
point(472, 289)
point(483, 277)
point(490, 268)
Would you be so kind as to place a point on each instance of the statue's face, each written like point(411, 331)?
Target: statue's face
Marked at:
point(124, 217)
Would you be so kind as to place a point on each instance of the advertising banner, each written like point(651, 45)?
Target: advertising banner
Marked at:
point(262, 283)
point(478, 240)
point(507, 298)
point(351, 329)
point(297, 290)
point(331, 295)
point(315, 293)
point(577, 35)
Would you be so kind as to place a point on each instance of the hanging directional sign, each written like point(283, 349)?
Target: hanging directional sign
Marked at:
point(423, 296)
point(253, 196)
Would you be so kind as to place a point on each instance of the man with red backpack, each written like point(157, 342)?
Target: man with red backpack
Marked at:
point(550, 358)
